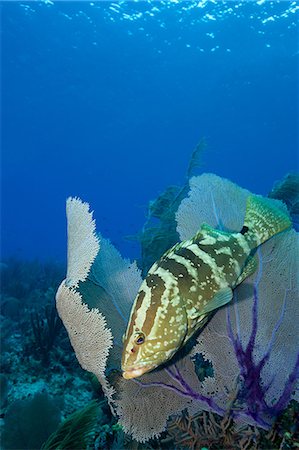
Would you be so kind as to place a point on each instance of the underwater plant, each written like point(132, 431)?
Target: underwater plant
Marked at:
point(46, 328)
point(76, 430)
point(287, 190)
point(251, 343)
point(36, 356)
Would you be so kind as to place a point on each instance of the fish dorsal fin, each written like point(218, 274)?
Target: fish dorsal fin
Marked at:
point(206, 231)
point(172, 249)
point(222, 297)
point(250, 267)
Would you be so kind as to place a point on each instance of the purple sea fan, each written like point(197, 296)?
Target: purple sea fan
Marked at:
point(253, 342)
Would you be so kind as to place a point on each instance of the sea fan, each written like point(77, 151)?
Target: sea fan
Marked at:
point(88, 333)
point(253, 375)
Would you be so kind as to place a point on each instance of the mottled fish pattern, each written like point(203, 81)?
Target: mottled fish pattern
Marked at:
point(191, 280)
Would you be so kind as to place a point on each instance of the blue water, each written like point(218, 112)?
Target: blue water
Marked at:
point(106, 101)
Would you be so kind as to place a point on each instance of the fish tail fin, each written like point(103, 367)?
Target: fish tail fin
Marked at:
point(263, 219)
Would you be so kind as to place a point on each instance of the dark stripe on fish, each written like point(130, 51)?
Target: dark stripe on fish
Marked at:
point(221, 259)
point(139, 301)
point(203, 268)
point(190, 256)
point(176, 269)
point(157, 286)
point(154, 281)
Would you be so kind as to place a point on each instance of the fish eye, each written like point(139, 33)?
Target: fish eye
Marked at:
point(140, 339)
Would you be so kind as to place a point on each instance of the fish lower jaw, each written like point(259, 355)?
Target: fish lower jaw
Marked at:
point(136, 372)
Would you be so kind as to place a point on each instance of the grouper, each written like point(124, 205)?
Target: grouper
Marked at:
point(190, 281)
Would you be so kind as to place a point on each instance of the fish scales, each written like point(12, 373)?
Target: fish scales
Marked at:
point(183, 278)
point(191, 288)
point(232, 256)
point(189, 282)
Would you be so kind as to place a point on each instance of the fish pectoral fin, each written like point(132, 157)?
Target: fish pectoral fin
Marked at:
point(222, 297)
point(250, 268)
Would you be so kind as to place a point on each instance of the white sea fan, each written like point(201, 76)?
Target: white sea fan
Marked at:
point(83, 243)
point(112, 286)
point(120, 277)
point(212, 200)
point(88, 333)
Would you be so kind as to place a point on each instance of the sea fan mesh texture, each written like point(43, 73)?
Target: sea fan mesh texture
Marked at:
point(212, 200)
point(111, 286)
point(144, 409)
point(119, 277)
point(88, 333)
point(83, 244)
point(87, 330)
point(144, 405)
point(277, 298)
point(277, 293)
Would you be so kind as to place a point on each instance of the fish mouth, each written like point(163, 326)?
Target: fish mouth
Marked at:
point(135, 372)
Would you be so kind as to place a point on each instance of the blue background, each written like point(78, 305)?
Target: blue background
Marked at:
point(106, 101)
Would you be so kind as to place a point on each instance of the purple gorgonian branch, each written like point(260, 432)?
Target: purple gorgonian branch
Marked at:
point(250, 400)
point(252, 392)
point(184, 389)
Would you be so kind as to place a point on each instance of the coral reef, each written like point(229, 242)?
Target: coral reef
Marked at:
point(208, 430)
point(252, 378)
point(229, 387)
point(36, 356)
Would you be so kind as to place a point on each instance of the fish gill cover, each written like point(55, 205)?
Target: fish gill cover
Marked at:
point(253, 376)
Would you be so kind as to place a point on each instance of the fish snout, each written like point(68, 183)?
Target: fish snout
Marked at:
point(135, 372)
